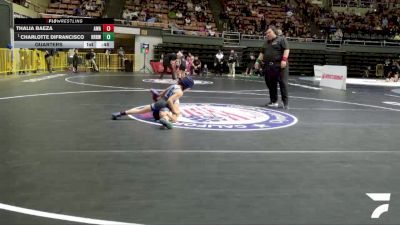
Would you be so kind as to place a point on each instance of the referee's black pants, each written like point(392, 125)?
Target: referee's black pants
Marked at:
point(275, 75)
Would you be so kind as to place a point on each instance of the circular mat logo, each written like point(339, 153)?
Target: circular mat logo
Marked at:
point(397, 91)
point(170, 81)
point(226, 117)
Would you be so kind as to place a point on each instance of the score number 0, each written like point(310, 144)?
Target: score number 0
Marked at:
point(108, 27)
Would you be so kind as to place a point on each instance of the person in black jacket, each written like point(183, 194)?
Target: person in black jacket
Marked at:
point(168, 62)
point(274, 55)
point(394, 71)
point(196, 68)
point(92, 60)
point(75, 61)
point(49, 59)
point(250, 64)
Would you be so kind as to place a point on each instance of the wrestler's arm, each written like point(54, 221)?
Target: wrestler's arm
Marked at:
point(172, 116)
point(171, 102)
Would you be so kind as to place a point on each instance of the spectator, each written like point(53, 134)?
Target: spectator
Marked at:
point(393, 75)
point(219, 62)
point(338, 35)
point(49, 53)
point(77, 11)
point(212, 33)
point(179, 15)
point(23, 58)
point(126, 15)
point(250, 65)
point(187, 20)
point(208, 26)
point(197, 8)
point(189, 62)
point(232, 60)
point(169, 61)
point(205, 70)
point(135, 14)
point(121, 57)
point(151, 19)
point(172, 14)
point(180, 65)
point(75, 61)
point(189, 5)
point(92, 60)
point(196, 69)
point(175, 29)
point(71, 53)
point(107, 54)
point(385, 22)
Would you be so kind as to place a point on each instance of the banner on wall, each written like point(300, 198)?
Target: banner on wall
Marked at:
point(318, 71)
point(334, 77)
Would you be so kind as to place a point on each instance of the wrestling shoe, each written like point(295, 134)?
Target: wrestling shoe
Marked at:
point(166, 123)
point(272, 105)
point(115, 115)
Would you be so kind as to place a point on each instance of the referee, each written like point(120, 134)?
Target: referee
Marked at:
point(274, 55)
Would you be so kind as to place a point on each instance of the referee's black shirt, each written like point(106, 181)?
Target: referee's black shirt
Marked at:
point(273, 50)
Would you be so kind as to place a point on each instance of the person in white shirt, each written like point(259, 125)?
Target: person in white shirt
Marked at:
point(208, 26)
point(187, 20)
point(179, 14)
point(197, 8)
point(211, 33)
point(219, 62)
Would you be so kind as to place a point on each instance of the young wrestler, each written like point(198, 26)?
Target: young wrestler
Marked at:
point(166, 108)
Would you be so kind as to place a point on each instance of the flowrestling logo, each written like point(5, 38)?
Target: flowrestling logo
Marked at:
point(379, 197)
point(170, 81)
point(226, 117)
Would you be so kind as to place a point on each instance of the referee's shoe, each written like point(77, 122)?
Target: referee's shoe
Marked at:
point(272, 104)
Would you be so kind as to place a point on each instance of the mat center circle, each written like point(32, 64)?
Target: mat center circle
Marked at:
point(226, 117)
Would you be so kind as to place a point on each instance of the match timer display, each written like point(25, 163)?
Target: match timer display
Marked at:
point(64, 33)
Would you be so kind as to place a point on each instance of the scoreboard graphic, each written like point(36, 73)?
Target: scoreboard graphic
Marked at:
point(64, 33)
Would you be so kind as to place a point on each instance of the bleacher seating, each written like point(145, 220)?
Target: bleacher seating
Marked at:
point(159, 10)
point(68, 7)
point(376, 24)
point(247, 17)
point(275, 13)
point(365, 3)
